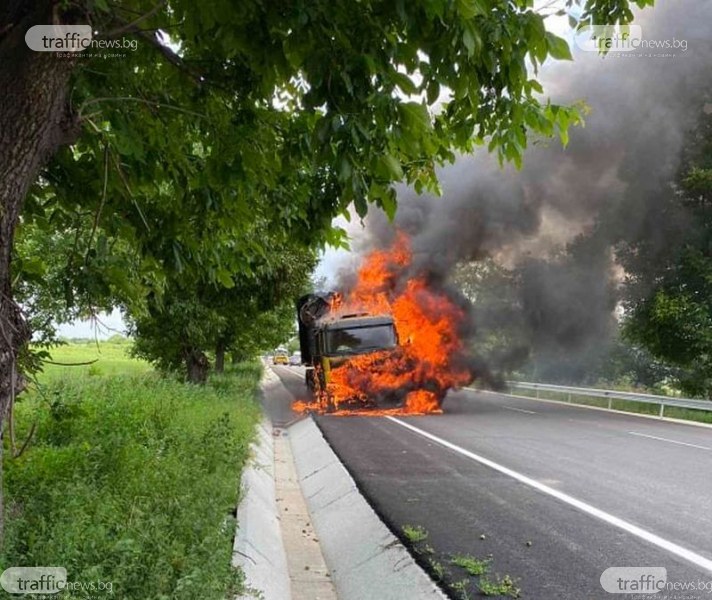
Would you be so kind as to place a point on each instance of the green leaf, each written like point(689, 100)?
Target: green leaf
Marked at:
point(33, 266)
point(415, 116)
point(391, 166)
point(360, 206)
point(389, 204)
point(471, 39)
point(536, 86)
point(404, 83)
point(433, 92)
point(558, 47)
point(225, 278)
point(471, 8)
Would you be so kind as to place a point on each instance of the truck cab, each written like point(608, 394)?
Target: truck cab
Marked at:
point(328, 339)
point(341, 339)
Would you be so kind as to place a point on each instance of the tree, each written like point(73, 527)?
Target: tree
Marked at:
point(669, 295)
point(194, 317)
point(240, 96)
point(318, 103)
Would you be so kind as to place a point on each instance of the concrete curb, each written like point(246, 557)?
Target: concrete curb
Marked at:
point(365, 559)
point(258, 547)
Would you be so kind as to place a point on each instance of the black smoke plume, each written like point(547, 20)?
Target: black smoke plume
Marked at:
point(556, 223)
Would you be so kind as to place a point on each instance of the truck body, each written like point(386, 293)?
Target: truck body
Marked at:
point(328, 338)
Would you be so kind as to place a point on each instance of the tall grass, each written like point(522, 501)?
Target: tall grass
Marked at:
point(132, 480)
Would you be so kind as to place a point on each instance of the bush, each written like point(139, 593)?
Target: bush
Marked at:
point(133, 481)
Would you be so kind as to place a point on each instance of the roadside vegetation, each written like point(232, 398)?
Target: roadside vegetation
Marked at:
point(462, 576)
point(415, 534)
point(130, 477)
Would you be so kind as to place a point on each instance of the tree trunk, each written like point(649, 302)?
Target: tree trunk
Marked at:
point(35, 120)
point(220, 357)
point(197, 366)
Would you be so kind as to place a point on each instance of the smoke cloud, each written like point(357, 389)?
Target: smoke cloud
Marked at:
point(612, 183)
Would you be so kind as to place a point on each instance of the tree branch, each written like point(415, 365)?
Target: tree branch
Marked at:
point(132, 26)
point(86, 103)
point(169, 55)
point(97, 216)
point(77, 364)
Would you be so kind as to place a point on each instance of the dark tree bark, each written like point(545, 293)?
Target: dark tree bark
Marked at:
point(35, 120)
point(220, 357)
point(196, 366)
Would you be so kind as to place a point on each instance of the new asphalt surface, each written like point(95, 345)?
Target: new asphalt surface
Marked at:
point(552, 494)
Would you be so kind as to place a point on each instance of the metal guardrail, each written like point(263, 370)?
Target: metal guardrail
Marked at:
point(663, 401)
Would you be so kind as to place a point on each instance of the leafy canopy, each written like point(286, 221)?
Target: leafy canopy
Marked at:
point(227, 115)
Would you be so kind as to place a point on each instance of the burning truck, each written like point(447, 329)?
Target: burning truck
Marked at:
point(392, 343)
point(328, 339)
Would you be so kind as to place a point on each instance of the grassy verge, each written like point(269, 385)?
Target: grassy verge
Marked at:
point(132, 481)
point(622, 405)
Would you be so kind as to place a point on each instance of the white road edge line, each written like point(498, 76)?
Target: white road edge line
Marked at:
point(689, 555)
point(585, 406)
point(662, 439)
point(529, 412)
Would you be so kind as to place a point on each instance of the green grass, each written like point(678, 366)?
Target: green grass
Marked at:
point(461, 589)
point(622, 405)
point(131, 478)
point(474, 566)
point(110, 358)
point(499, 586)
point(437, 569)
point(477, 570)
point(415, 534)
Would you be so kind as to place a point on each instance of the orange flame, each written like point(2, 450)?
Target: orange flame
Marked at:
point(415, 376)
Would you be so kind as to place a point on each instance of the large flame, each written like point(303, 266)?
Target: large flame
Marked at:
point(414, 377)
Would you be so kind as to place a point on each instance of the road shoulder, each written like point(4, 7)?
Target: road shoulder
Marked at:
point(363, 559)
point(366, 560)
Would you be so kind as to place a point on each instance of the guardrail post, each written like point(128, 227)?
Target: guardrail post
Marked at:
point(662, 410)
point(569, 398)
point(537, 393)
point(610, 402)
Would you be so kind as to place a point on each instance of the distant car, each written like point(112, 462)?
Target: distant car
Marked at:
point(280, 358)
point(296, 359)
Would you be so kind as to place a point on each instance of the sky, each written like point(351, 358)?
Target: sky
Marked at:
point(103, 328)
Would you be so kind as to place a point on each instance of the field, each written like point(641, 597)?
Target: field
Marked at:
point(110, 357)
point(130, 480)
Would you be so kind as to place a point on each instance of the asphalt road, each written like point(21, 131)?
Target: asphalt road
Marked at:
point(588, 489)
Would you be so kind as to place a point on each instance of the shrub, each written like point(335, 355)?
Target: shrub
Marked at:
point(132, 480)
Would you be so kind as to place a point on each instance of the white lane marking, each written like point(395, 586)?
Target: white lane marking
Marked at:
point(662, 439)
point(529, 412)
point(689, 555)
